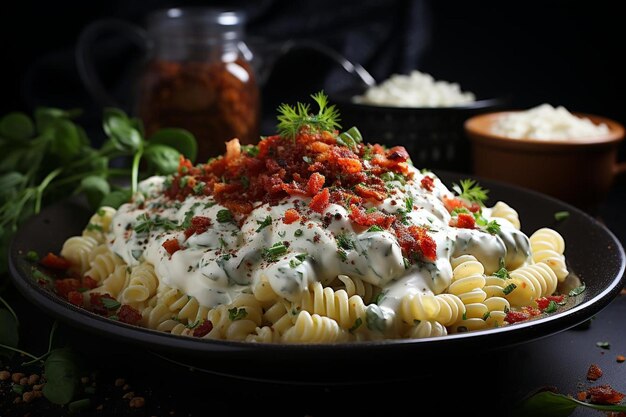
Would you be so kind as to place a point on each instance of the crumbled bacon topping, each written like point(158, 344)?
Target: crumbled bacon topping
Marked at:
point(604, 394)
point(128, 314)
point(594, 372)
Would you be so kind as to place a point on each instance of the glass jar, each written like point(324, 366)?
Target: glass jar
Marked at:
point(199, 77)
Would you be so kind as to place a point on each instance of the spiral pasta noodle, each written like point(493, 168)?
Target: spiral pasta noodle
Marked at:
point(313, 328)
point(446, 309)
point(529, 283)
point(504, 211)
point(336, 305)
point(547, 246)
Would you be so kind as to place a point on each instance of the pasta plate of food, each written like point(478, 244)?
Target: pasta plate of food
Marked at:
point(313, 243)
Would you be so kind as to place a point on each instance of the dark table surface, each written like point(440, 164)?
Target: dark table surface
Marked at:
point(489, 383)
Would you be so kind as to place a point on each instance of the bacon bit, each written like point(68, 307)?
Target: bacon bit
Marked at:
point(377, 218)
point(76, 298)
point(171, 245)
point(398, 154)
point(465, 221)
point(516, 316)
point(89, 282)
point(96, 305)
point(370, 193)
point(203, 329)
point(581, 396)
point(128, 314)
point(604, 394)
point(455, 203)
point(64, 286)
point(291, 216)
point(350, 165)
point(315, 183)
point(320, 201)
point(427, 183)
point(621, 358)
point(544, 302)
point(53, 261)
point(556, 298)
point(415, 241)
point(199, 225)
point(594, 372)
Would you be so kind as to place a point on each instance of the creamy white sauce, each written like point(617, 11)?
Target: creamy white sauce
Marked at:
point(226, 260)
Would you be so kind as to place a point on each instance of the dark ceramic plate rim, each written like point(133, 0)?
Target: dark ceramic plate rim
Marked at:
point(504, 336)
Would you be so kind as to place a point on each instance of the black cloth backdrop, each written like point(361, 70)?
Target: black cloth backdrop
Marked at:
point(560, 52)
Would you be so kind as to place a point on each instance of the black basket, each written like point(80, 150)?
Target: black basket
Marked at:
point(433, 136)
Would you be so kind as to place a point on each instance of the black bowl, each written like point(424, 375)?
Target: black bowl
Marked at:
point(592, 252)
point(433, 136)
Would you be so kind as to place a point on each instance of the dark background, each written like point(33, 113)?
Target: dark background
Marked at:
point(558, 52)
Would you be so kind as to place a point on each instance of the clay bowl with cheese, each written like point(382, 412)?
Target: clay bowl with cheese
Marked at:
point(579, 171)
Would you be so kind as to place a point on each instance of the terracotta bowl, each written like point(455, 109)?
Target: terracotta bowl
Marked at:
point(578, 171)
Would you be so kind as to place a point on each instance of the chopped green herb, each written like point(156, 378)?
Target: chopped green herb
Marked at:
point(145, 224)
point(298, 233)
point(375, 228)
point(245, 182)
point(183, 181)
point(198, 189)
point(552, 307)
point(343, 255)
point(262, 225)
point(91, 227)
point(357, 323)
point(374, 318)
point(235, 313)
point(193, 325)
point(101, 212)
point(210, 204)
point(272, 253)
point(407, 263)
point(561, 215)
point(509, 289)
point(187, 220)
point(32, 256)
point(307, 159)
point(224, 216)
point(379, 297)
point(251, 150)
point(297, 260)
point(344, 242)
point(577, 291)
point(110, 303)
point(371, 210)
point(502, 273)
point(409, 204)
point(470, 190)
point(604, 345)
point(493, 227)
point(458, 210)
point(486, 315)
point(464, 316)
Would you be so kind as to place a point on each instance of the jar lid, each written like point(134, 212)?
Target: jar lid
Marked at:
point(201, 21)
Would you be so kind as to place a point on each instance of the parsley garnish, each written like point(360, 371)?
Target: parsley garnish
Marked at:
point(251, 150)
point(471, 191)
point(371, 210)
point(235, 313)
point(297, 260)
point(409, 204)
point(486, 315)
point(552, 306)
point(344, 242)
point(604, 345)
point(561, 215)
point(198, 189)
point(32, 256)
point(502, 273)
point(292, 119)
point(509, 289)
point(145, 224)
point(577, 291)
point(343, 255)
point(262, 225)
point(110, 303)
point(224, 216)
point(407, 263)
point(375, 228)
point(298, 233)
point(464, 316)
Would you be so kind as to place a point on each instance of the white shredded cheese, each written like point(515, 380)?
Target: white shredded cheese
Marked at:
point(547, 122)
point(416, 89)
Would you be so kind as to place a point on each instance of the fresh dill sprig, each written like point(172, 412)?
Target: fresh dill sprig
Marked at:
point(292, 119)
point(471, 191)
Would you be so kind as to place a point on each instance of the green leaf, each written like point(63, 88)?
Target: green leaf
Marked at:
point(62, 372)
point(66, 142)
point(10, 184)
point(45, 115)
point(561, 215)
point(16, 126)
point(116, 198)
point(577, 291)
point(163, 158)
point(110, 303)
point(180, 139)
point(550, 404)
point(471, 191)
point(121, 131)
point(9, 335)
point(350, 138)
point(95, 189)
point(235, 313)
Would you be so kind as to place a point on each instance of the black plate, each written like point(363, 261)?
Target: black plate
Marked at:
point(592, 252)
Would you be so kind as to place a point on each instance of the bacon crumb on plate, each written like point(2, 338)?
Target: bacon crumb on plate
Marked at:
point(594, 372)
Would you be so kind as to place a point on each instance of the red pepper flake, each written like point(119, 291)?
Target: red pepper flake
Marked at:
point(128, 314)
point(64, 286)
point(171, 245)
point(427, 183)
point(315, 183)
point(203, 329)
point(604, 394)
point(542, 303)
point(320, 201)
point(53, 261)
point(594, 372)
point(76, 298)
point(620, 358)
point(291, 216)
point(199, 225)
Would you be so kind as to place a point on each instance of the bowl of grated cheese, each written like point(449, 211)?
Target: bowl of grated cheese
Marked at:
point(570, 156)
point(417, 111)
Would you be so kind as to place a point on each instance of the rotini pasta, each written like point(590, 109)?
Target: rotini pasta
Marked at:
point(318, 239)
